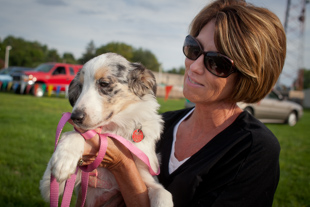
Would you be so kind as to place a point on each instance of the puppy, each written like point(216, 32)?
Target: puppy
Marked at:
point(120, 97)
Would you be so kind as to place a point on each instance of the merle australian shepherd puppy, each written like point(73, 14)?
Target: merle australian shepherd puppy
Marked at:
point(120, 97)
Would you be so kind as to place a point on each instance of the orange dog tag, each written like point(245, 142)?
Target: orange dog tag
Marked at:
point(137, 135)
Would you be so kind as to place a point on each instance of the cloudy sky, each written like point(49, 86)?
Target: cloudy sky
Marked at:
point(159, 26)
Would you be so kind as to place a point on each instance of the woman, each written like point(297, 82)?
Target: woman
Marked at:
point(216, 154)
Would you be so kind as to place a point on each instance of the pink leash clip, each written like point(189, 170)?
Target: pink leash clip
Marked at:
point(103, 142)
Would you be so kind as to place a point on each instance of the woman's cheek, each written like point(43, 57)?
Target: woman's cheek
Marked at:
point(188, 62)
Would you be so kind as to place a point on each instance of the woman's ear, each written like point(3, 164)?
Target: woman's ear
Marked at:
point(75, 89)
point(141, 81)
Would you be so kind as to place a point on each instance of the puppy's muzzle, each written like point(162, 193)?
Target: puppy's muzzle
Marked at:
point(78, 116)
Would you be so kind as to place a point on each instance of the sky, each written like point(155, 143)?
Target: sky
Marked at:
point(159, 26)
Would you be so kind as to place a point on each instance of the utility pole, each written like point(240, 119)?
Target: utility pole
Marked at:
point(294, 26)
point(7, 55)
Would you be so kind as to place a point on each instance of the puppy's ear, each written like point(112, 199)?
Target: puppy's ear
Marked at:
point(75, 89)
point(141, 81)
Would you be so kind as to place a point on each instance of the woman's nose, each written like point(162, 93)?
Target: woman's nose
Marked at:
point(197, 65)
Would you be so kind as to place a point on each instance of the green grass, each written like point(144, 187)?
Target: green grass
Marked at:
point(294, 185)
point(27, 130)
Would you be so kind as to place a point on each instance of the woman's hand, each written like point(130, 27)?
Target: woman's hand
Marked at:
point(118, 159)
point(116, 153)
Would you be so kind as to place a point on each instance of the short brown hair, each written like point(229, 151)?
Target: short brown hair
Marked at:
point(253, 38)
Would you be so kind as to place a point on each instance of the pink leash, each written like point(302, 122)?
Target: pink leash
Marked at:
point(103, 142)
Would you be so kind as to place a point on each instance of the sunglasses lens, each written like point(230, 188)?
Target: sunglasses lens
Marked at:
point(191, 48)
point(218, 65)
point(191, 52)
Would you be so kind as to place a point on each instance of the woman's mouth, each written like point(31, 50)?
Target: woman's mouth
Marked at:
point(193, 82)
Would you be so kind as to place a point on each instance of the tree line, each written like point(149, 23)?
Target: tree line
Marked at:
point(31, 54)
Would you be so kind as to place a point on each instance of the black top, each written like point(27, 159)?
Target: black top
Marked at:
point(238, 167)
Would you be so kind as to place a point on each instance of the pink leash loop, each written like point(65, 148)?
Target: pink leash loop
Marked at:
point(135, 150)
point(54, 186)
point(103, 144)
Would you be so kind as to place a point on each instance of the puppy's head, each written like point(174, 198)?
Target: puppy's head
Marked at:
point(106, 86)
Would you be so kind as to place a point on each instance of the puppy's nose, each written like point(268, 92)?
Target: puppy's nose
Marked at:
point(78, 116)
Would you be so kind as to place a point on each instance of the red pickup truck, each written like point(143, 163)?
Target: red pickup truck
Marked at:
point(58, 75)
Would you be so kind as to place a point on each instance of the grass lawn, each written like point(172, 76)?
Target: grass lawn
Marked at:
point(27, 130)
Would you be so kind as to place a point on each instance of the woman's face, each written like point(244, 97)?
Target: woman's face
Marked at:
point(200, 86)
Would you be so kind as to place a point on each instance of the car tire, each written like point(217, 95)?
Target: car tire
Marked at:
point(38, 92)
point(292, 119)
point(249, 110)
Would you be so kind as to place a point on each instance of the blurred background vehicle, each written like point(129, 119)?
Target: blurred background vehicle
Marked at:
point(55, 75)
point(12, 70)
point(274, 108)
point(6, 74)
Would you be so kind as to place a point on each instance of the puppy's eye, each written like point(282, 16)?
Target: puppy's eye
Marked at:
point(103, 83)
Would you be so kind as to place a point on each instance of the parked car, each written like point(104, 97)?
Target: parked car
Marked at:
point(49, 74)
point(272, 109)
point(275, 109)
point(5, 76)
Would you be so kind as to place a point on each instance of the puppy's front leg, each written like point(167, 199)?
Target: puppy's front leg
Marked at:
point(65, 158)
point(159, 196)
point(45, 184)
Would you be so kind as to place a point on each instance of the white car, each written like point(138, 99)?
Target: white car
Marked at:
point(274, 109)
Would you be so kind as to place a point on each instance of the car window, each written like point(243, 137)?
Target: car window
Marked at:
point(71, 71)
point(44, 68)
point(273, 95)
point(59, 71)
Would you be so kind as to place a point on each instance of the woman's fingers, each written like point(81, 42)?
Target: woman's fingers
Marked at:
point(86, 160)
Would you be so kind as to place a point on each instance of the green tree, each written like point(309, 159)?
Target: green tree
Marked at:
point(31, 54)
point(69, 58)
point(180, 70)
point(25, 53)
point(147, 58)
point(89, 53)
point(52, 56)
point(306, 79)
point(120, 48)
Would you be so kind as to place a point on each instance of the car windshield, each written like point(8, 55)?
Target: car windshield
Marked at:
point(44, 68)
point(19, 69)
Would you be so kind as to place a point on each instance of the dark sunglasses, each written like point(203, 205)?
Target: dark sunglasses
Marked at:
point(216, 63)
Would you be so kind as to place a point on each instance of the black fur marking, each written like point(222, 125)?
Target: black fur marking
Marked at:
point(110, 115)
point(116, 91)
point(75, 89)
point(138, 66)
point(123, 81)
point(121, 68)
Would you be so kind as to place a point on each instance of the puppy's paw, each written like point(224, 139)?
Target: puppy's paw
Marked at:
point(65, 158)
point(160, 197)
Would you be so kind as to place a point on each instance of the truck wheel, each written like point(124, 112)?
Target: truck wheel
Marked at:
point(38, 91)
